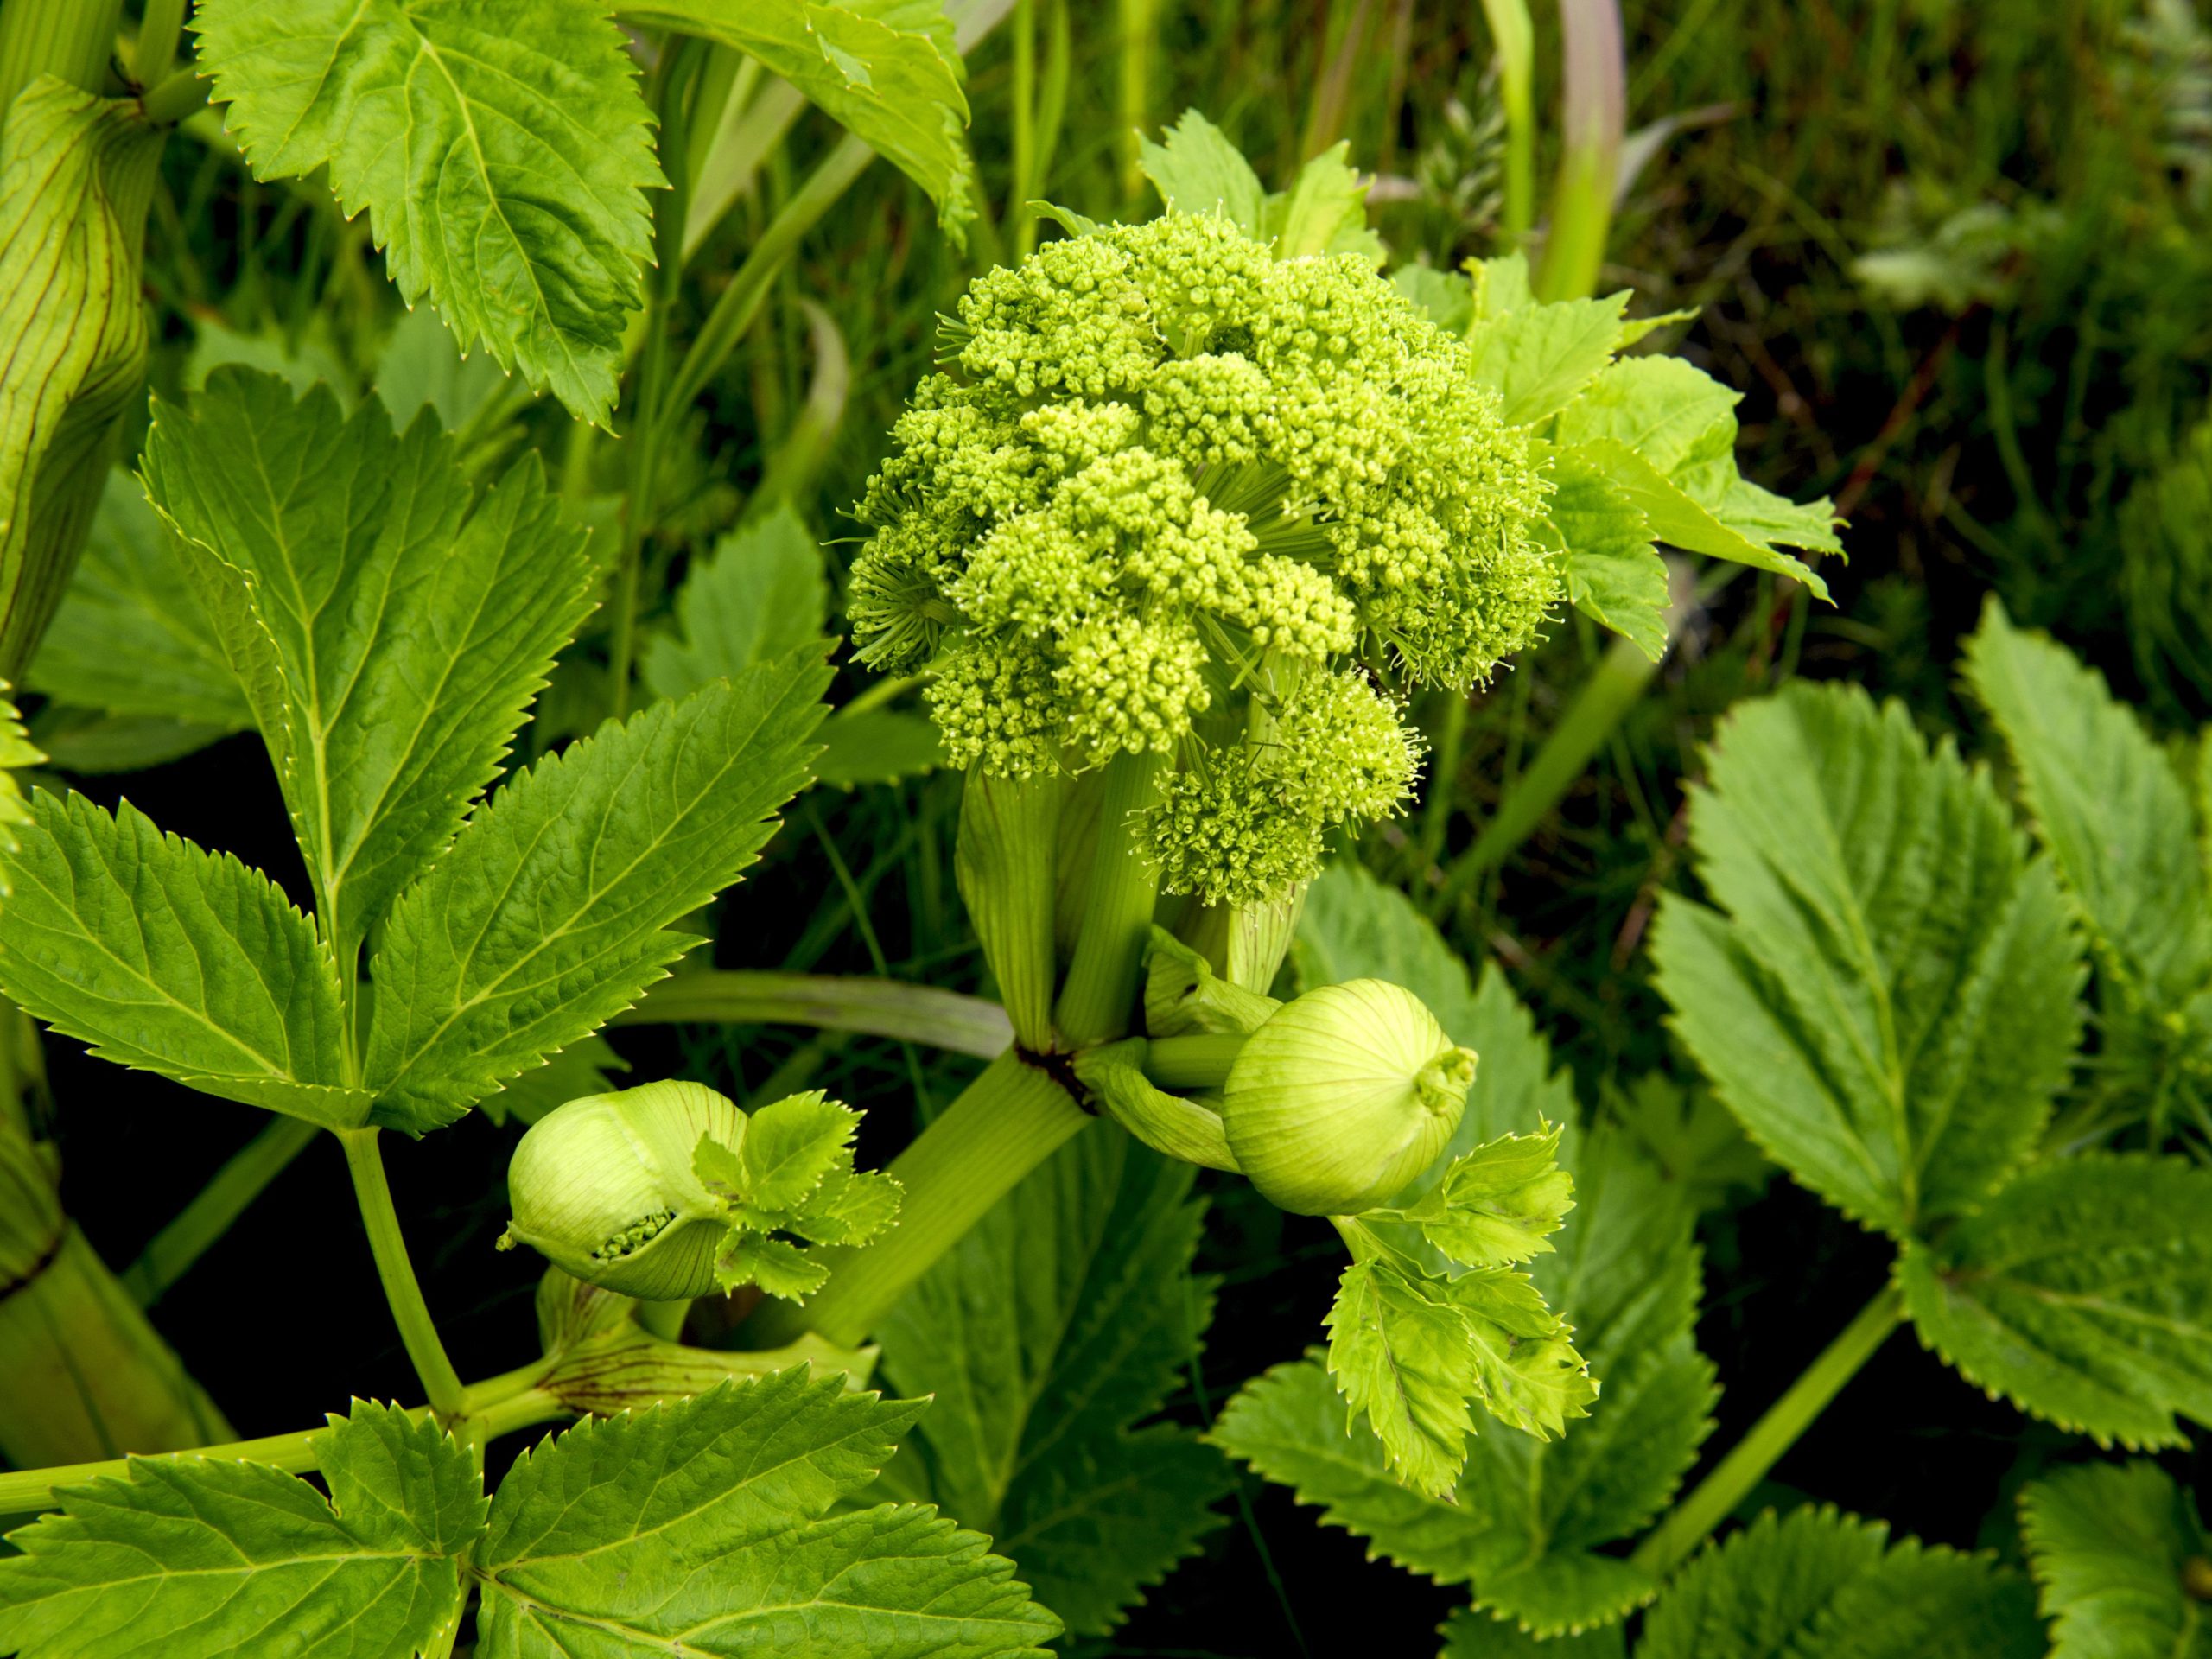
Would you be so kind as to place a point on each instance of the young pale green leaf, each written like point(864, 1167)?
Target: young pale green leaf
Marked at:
point(792, 1172)
point(761, 593)
point(1057, 1323)
point(1494, 1205)
point(1531, 1520)
point(169, 958)
point(1817, 1585)
point(598, 1538)
point(409, 626)
point(1323, 212)
point(1665, 433)
point(197, 1558)
point(2111, 807)
point(1541, 357)
point(1197, 170)
point(1887, 996)
point(130, 637)
point(791, 1147)
point(1403, 1356)
point(500, 148)
point(74, 184)
point(888, 69)
point(2122, 1559)
point(2082, 1292)
point(1614, 574)
point(556, 907)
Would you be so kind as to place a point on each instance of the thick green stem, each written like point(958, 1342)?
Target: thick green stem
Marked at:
point(218, 1203)
point(1593, 108)
point(497, 1406)
point(1101, 988)
point(1199, 1061)
point(72, 40)
point(869, 1007)
point(159, 30)
point(1515, 37)
point(1687, 1524)
point(29, 1491)
point(441, 1382)
point(1003, 1125)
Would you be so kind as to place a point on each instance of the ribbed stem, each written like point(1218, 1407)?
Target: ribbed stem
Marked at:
point(1102, 982)
point(72, 40)
point(871, 1008)
point(29, 1491)
point(1003, 1125)
point(1687, 1524)
point(417, 1331)
point(1007, 864)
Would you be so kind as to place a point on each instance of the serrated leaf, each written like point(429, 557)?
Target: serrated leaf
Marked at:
point(791, 1145)
point(1886, 997)
point(581, 1069)
point(1471, 1634)
point(1532, 1519)
point(1323, 212)
point(197, 1558)
point(1665, 433)
point(129, 638)
point(1817, 1585)
point(1197, 170)
point(1059, 1321)
point(1539, 357)
point(1494, 1205)
point(1691, 1137)
point(596, 1537)
point(1404, 1359)
point(74, 183)
point(2082, 1292)
point(169, 958)
point(408, 624)
point(500, 148)
point(2122, 1559)
point(1614, 574)
point(779, 1266)
point(556, 907)
point(761, 593)
point(2114, 813)
point(1446, 296)
point(888, 69)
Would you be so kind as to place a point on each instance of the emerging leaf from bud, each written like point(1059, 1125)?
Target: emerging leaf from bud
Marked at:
point(1344, 1097)
point(604, 1187)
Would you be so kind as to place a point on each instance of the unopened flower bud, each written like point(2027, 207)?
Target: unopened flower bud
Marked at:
point(603, 1188)
point(1344, 1097)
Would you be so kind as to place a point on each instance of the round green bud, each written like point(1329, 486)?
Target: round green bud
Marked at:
point(603, 1187)
point(1344, 1097)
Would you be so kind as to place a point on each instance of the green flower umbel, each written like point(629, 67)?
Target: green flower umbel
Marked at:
point(1175, 496)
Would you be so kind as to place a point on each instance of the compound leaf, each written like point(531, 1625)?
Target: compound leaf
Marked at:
point(409, 626)
point(169, 958)
point(198, 1558)
point(597, 1539)
point(2122, 1559)
point(761, 593)
point(1471, 1633)
point(500, 148)
point(888, 69)
point(2082, 1292)
point(1818, 1584)
point(555, 907)
point(130, 637)
point(1058, 1322)
point(1532, 1519)
point(1886, 996)
point(1541, 357)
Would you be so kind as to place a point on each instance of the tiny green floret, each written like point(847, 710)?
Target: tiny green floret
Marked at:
point(1173, 495)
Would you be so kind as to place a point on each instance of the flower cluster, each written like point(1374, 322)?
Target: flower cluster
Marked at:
point(1173, 495)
